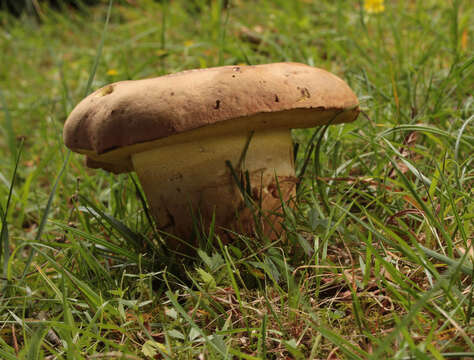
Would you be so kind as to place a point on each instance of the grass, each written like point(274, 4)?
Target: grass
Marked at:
point(378, 258)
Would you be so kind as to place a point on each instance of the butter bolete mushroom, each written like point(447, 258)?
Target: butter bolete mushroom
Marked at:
point(178, 131)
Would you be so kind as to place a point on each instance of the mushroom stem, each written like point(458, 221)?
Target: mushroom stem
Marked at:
point(192, 178)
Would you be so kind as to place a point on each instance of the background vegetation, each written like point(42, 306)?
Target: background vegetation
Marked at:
point(377, 261)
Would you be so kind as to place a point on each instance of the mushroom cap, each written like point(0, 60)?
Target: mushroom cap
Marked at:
point(132, 116)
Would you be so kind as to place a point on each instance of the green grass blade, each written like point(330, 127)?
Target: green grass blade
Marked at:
point(461, 264)
point(184, 314)
point(459, 137)
point(132, 237)
point(44, 218)
point(4, 237)
point(11, 138)
point(466, 140)
point(94, 298)
point(350, 350)
point(115, 249)
point(34, 345)
point(317, 170)
point(7, 355)
point(99, 50)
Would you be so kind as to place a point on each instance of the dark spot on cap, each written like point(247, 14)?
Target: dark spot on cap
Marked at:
point(304, 92)
point(218, 103)
point(276, 98)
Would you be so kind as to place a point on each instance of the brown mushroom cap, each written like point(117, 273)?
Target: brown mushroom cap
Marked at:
point(129, 116)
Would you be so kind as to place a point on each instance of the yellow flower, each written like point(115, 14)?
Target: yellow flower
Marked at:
point(112, 72)
point(188, 43)
point(374, 6)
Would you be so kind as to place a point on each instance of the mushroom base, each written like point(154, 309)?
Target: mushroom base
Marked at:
point(188, 184)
